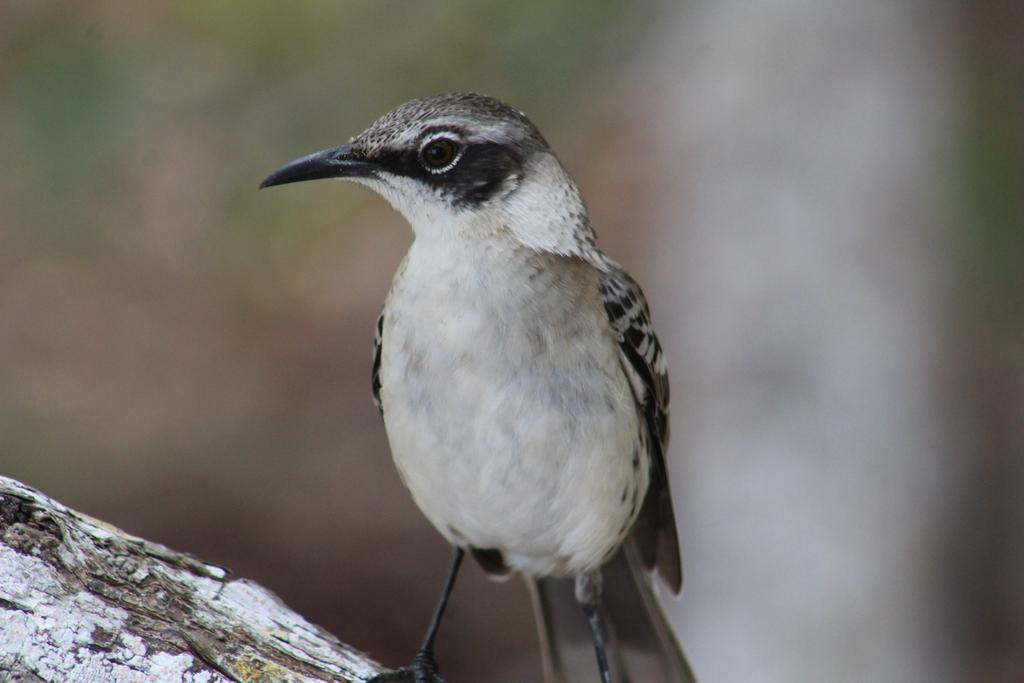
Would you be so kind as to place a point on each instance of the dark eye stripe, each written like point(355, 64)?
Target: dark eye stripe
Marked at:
point(482, 170)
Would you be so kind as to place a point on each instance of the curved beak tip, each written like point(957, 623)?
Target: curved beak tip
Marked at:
point(269, 181)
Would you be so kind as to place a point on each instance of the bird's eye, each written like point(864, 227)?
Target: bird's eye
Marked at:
point(438, 155)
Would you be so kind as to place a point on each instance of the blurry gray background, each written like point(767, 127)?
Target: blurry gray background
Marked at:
point(824, 202)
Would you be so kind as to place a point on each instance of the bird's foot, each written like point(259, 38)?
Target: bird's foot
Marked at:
point(407, 674)
point(422, 670)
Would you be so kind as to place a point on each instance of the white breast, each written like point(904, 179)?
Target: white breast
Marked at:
point(509, 416)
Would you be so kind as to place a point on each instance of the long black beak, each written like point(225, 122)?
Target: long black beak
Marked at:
point(339, 162)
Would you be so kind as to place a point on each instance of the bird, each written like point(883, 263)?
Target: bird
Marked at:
point(523, 390)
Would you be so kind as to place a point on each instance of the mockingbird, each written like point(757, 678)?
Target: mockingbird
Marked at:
point(524, 392)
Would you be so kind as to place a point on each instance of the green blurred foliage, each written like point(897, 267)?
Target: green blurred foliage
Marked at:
point(992, 180)
point(97, 95)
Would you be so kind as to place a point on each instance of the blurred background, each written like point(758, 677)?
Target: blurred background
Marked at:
point(823, 200)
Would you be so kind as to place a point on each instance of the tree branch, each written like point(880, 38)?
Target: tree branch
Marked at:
point(81, 600)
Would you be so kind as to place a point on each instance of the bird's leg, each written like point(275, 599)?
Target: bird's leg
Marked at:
point(588, 594)
point(424, 666)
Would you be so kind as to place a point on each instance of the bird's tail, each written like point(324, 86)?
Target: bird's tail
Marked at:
point(642, 647)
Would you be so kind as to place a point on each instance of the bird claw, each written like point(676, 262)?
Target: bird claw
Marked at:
point(408, 674)
point(423, 670)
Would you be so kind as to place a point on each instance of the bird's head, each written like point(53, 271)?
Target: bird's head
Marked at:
point(458, 163)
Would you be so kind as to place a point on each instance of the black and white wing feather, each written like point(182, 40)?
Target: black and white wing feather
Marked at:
point(644, 363)
point(378, 335)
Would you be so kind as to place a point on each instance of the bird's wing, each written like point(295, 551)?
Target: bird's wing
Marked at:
point(644, 363)
point(378, 335)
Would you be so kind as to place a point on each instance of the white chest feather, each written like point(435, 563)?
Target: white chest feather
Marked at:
point(509, 417)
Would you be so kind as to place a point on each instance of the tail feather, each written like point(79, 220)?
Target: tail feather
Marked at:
point(642, 644)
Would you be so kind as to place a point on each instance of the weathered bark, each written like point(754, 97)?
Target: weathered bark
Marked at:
point(82, 601)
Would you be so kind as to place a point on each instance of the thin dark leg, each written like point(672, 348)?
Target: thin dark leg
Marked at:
point(424, 667)
point(588, 595)
point(597, 630)
point(442, 603)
